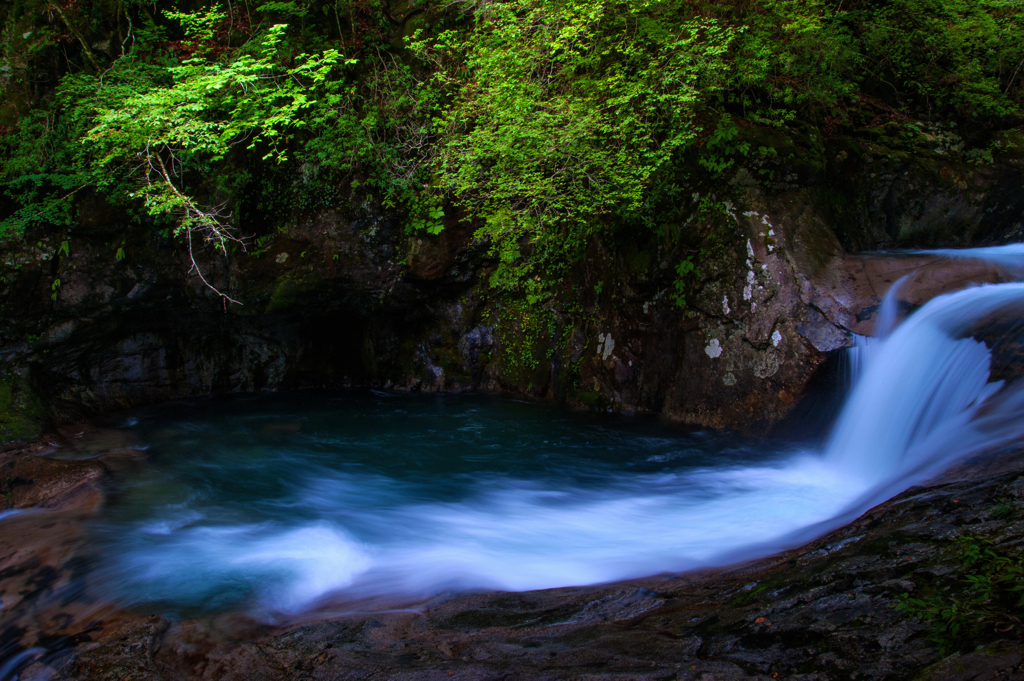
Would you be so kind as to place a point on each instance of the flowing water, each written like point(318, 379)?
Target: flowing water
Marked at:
point(282, 504)
point(279, 501)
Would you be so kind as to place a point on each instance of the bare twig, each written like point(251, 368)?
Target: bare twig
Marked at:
point(196, 219)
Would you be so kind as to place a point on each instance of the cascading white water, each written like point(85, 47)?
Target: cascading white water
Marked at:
point(1009, 257)
point(922, 400)
point(920, 386)
point(889, 310)
point(860, 353)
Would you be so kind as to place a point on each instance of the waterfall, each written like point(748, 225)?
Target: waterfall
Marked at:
point(889, 310)
point(919, 392)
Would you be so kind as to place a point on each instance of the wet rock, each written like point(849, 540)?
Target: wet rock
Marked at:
point(46, 610)
point(431, 256)
point(475, 346)
point(822, 334)
point(1004, 660)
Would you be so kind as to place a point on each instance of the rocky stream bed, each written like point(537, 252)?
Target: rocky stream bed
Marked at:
point(826, 610)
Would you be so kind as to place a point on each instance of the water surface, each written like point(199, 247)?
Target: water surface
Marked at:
point(282, 504)
point(281, 500)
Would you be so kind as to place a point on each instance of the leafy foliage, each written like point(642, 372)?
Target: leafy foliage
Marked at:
point(206, 109)
point(793, 54)
point(562, 112)
point(376, 128)
point(155, 125)
point(542, 122)
point(946, 55)
point(988, 597)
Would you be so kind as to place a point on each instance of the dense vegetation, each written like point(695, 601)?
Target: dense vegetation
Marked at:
point(541, 122)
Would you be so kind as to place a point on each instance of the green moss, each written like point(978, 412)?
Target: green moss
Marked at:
point(21, 412)
point(528, 335)
point(747, 596)
point(638, 260)
point(1011, 144)
point(288, 293)
point(449, 360)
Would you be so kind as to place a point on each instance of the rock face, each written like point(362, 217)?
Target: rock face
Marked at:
point(106, 316)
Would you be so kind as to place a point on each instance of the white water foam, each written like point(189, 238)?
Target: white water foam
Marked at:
point(922, 400)
point(1009, 257)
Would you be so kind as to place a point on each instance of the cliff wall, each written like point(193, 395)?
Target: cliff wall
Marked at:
point(348, 298)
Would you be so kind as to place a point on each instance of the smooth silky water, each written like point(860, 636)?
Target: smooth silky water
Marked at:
point(276, 502)
point(277, 505)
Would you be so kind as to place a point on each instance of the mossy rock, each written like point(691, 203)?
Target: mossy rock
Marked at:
point(290, 293)
point(21, 412)
point(527, 337)
point(590, 398)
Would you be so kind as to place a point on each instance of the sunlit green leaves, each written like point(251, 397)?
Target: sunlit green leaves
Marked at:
point(377, 130)
point(211, 106)
point(158, 133)
point(562, 111)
